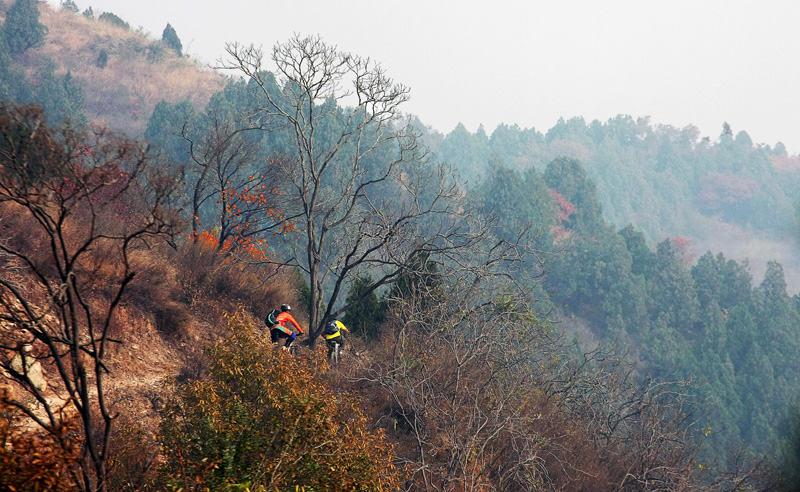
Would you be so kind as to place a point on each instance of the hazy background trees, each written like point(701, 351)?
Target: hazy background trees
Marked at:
point(22, 28)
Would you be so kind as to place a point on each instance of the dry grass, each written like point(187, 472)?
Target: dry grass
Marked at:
point(140, 72)
point(172, 310)
point(216, 282)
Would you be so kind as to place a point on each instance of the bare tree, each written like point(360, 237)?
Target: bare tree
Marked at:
point(75, 209)
point(226, 183)
point(360, 193)
point(645, 434)
point(481, 395)
point(453, 373)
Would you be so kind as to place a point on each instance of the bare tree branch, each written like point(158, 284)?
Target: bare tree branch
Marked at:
point(76, 201)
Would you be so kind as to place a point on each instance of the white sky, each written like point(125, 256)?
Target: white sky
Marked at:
point(529, 62)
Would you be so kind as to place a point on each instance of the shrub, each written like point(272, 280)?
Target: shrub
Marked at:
point(30, 460)
point(70, 6)
point(156, 52)
point(132, 457)
point(212, 274)
point(266, 419)
point(102, 59)
point(114, 19)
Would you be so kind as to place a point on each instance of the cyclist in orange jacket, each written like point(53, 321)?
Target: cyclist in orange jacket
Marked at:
point(281, 330)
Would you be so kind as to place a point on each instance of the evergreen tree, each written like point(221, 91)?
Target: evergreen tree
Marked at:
point(61, 96)
point(779, 324)
point(573, 131)
point(114, 19)
point(672, 290)
point(419, 283)
point(708, 280)
point(364, 318)
point(643, 258)
point(466, 151)
point(69, 5)
point(9, 78)
point(170, 37)
point(504, 193)
point(592, 275)
point(519, 202)
point(568, 178)
point(165, 128)
point(102, 59)
point(22, 28)
point(543, 208)
point(516, 147)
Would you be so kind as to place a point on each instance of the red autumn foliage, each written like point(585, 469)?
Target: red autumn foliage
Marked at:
point(718, 190)
point(682, 247)
point(565, 208)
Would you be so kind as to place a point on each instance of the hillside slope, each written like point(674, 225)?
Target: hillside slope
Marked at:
point(140, 71)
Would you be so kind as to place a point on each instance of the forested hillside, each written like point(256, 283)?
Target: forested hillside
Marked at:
point(634, 203)
point(92, 66)
point(526, 311)
point(725, 195)
point(704, 319)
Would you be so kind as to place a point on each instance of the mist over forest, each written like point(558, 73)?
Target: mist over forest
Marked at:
point(601, 305)
point(665, 181)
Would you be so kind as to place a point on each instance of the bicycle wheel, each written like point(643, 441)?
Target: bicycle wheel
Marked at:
point(336, 353)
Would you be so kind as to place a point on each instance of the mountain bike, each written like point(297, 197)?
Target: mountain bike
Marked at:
point(335, 353)
point(292, 349)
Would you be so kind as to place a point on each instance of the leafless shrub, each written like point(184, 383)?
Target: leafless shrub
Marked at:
point(481, 395)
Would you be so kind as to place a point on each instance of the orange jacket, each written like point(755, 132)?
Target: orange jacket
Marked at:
point(282, 319)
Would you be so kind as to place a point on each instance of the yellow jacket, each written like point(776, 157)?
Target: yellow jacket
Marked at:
point(339, 326)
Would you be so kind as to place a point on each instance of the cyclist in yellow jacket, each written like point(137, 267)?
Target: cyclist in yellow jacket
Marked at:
point(282, 330)
point(333, 335)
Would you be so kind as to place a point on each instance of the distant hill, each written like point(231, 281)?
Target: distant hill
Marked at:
point(729, 195)
point(649, 182)
point(139, 72)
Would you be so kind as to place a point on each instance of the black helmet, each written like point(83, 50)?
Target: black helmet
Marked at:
point(285, 307)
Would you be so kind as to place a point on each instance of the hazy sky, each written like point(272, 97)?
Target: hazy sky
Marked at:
point(529, 62)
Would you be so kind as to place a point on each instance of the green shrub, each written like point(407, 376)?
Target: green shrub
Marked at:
point(114, 19)
point(102, 59)
point(266, 419)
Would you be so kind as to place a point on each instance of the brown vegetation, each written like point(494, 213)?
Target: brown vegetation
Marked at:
point(31, 460)
point(89, 201)
point(268, 419)
point(95, 308)
point(141, 71)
